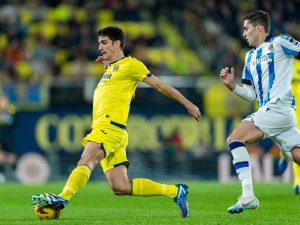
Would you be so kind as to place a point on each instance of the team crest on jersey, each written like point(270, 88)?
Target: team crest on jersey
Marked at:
point(116, 67)
point(271, 47)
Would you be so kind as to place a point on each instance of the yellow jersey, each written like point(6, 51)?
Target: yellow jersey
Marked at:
point(115, 90)
point(296, 87)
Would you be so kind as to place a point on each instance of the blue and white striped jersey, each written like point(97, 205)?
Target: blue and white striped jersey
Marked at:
point(269, 69)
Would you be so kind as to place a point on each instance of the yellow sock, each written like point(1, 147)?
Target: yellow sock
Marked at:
point(77, 180)
point(296, 170)
point(146, 187)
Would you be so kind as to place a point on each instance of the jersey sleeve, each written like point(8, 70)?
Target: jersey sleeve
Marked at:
point(246, 76)
point(289, 45)
point(139, 70)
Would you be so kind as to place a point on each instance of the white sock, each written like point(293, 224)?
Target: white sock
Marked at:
point(247, 190)
point(242, 166)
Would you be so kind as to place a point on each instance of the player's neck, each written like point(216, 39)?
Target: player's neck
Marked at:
point(261, 40)
point(117, 57)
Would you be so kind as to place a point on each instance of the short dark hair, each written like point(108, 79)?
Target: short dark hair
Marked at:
point(259, 17)
point(113, 33)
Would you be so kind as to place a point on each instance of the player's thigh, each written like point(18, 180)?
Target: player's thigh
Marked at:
point(289, 142)
point(247, 132)
point(115, 149)
point(92, 150)
point(92, 155)
point(93, 144)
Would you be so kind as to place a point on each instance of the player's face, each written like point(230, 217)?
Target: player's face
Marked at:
point(107, 47)
point(250, 33)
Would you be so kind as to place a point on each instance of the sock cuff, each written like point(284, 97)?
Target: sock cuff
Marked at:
point(134, 186)
point(240, 155)
point(235, 144)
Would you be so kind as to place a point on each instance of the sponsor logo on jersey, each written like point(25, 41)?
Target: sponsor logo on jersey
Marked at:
point(264, 58)
point(105, 77)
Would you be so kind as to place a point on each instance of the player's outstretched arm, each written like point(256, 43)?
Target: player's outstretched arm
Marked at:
point(171, 92)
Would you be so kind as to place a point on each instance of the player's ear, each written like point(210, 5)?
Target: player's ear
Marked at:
point(117, 43)
point(260, 27)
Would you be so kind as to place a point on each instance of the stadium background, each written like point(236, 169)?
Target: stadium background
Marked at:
point(47, 70)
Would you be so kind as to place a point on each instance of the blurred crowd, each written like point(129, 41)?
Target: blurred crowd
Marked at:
point(214, 28)
point(8, 157)
point(55, 41)
point(43, 40)
point(46, 40)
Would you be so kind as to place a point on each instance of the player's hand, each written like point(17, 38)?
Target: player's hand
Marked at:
point(227, 77)
point(194, 111)
point(100, 59)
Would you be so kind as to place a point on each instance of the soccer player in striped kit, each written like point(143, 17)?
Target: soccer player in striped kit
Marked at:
point(267, 76)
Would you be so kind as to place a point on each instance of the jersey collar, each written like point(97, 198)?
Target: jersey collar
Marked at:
point(268, 38)
point(116, 60)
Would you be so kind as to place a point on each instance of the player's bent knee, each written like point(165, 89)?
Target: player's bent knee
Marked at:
point(120, 190)
point(230, 139)
point(90, 162)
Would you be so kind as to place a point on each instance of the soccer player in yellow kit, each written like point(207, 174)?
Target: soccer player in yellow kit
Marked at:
point(106, 144)
point(282, 164)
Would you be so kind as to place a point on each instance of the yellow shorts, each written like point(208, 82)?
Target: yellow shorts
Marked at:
point(113, 141)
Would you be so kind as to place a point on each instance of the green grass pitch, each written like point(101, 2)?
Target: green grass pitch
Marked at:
point(96, 204)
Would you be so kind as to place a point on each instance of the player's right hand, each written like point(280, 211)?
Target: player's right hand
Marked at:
point(227, 77)
point(100, 59)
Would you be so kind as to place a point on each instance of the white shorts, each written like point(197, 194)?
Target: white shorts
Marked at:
point(278, 122)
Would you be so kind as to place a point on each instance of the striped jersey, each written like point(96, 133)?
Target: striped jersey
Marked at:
point(269, 68)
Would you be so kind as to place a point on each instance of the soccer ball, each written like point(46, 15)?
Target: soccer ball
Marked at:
point(46, 212)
